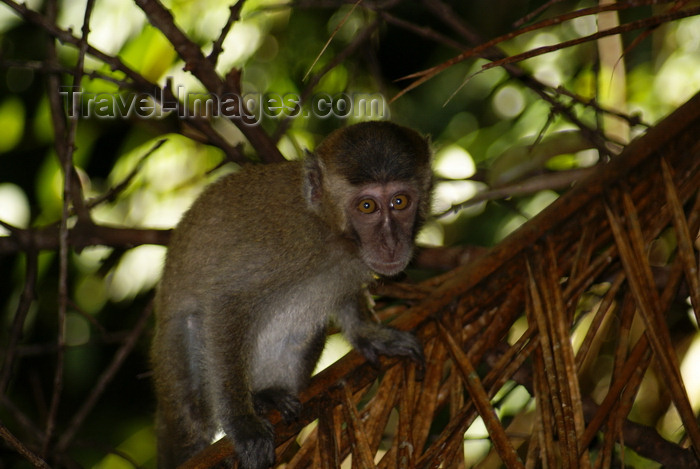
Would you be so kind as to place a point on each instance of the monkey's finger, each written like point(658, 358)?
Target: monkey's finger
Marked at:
point(282, 400)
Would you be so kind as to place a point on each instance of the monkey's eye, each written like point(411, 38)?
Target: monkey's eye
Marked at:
point(400, 202)
point(367, 206)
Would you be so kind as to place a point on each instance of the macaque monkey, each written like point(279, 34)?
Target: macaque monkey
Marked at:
point(257, 267)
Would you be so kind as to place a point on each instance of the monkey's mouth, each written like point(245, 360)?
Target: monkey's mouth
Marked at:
point(387, 268)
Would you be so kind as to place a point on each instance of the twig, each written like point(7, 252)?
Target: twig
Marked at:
point(358, 41)
point(25, 302)
point(105, 378)
point(114, 191)
point(21, 449)
point(422, 31)
point(27, 425)
point(200, 67)
point(80, 236)
point(330, 38)
point(484, 48)
point(234, 15)
point(64, 151)
point(644, 34)
point(67, 37)
point(536, 12)
point(552, 181)
point(627, 27)
point(633, 120)
point(445, 13)
point(195, 61)
point(138, 83)
point(78, 73)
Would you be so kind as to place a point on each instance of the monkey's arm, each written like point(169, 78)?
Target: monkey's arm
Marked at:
point(373, 339)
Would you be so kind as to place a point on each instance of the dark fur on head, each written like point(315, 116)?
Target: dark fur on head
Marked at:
point(375, 152)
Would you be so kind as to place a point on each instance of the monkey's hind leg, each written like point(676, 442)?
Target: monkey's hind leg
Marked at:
point(182, 421)
point(176, 441)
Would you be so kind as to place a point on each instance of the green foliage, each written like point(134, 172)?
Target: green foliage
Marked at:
point(486, 126)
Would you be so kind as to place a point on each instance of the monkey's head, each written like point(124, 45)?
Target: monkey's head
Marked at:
point(372, 181)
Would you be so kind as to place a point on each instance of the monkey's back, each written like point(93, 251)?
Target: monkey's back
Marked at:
point(242, 228)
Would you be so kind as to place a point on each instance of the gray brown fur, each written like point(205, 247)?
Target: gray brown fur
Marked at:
point(255, 270)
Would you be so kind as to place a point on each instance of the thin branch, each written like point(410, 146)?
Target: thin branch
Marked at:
point(200, 67)
point(67, 37)
point(28, 427)
point(445, 13)
point(217, 48)
point(421, 31)
point(15, 443)
point(138, 83)
point(632, 120)
point(644, 34)
point(25, 302)
point(627, 27)
point(330, 38)
point(339, 58)
point(81, 236)
point(112, 193)
point(105, 378)
point(536, 12)
point(553, 181)
point(76, 190)
point(46, 68)
point(64, 150)
point(485, 49)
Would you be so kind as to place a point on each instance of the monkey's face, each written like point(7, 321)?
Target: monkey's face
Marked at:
point(382, 218)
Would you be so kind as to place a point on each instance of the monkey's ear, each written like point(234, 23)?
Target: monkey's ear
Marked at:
point(313, 180)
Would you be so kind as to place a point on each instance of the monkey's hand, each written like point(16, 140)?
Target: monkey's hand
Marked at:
point(374, 339)
point(253, 440)
point(277, 398)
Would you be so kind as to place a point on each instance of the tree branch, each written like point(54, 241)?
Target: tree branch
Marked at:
point(138, 82)
point(203, 69)
point(234, 15)
point(21, 449)
point(80, 236)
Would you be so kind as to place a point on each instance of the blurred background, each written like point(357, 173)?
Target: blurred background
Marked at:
point(514, 136)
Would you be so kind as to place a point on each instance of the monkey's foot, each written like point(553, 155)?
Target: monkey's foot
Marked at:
point(253, 440)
